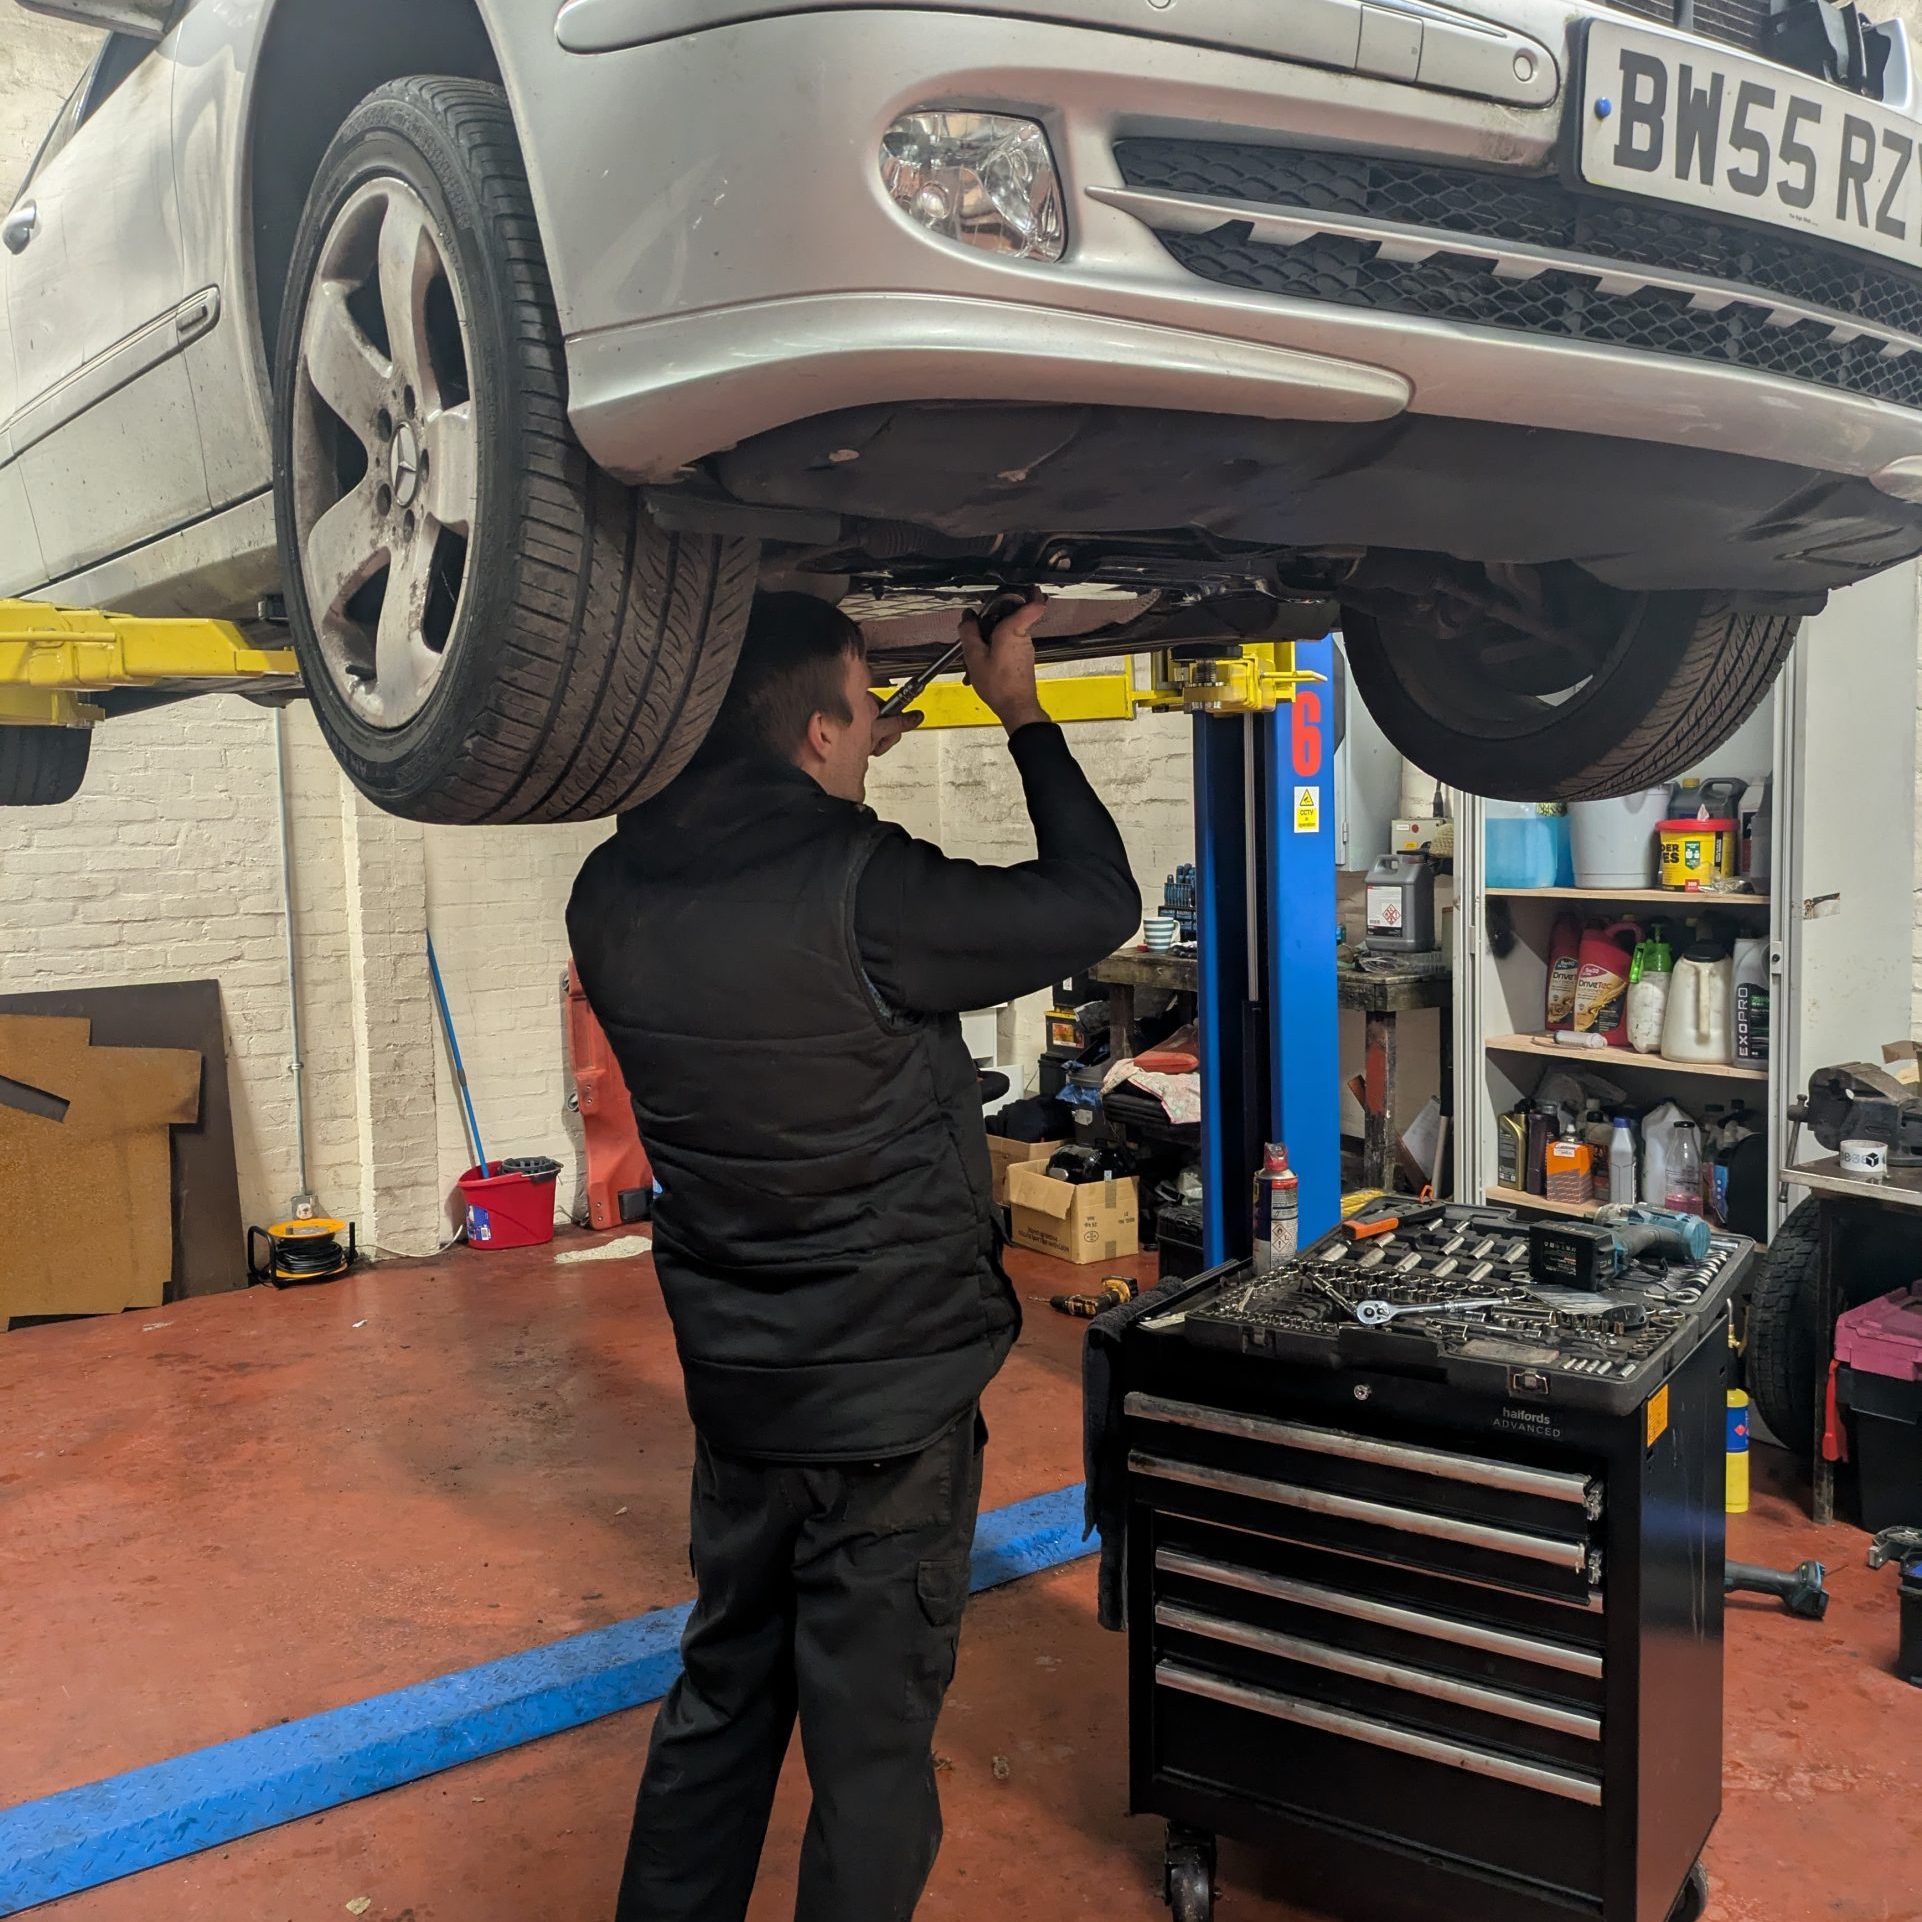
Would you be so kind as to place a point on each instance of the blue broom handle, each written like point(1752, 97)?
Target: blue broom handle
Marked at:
point(453, 1048)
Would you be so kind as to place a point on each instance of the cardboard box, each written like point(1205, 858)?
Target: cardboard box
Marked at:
point(85, 1177)
point(1006, 1154)
point(1086, 1221)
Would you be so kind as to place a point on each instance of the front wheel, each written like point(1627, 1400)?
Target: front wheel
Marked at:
point(1547, 716)
point(490, 628)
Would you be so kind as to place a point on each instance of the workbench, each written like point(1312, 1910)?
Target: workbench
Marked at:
point(1834, 1193)
point(1379, 998)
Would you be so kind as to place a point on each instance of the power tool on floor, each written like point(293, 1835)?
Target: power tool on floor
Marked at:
point(1113, 1292)
point(1798, 1589)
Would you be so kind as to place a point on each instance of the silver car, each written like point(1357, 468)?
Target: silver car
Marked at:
point(1567, 353)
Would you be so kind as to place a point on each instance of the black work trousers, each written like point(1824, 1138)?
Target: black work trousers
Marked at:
point(831, 1593)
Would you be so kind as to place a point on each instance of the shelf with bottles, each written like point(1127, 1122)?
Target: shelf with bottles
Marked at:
point(1681, 903)
point(1545, 1049)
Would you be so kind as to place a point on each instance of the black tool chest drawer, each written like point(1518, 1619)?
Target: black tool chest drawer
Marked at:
point(1371, 1628)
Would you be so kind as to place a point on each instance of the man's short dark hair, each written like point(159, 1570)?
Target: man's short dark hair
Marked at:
point(792, 667)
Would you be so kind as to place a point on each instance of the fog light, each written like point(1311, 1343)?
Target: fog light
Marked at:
point(982, 178)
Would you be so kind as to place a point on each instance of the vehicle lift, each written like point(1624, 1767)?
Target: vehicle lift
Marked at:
point(76, 667)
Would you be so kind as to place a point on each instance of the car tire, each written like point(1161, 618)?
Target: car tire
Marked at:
point(1784, 1332)
point(41, 767)
point(552, 654)
point(1682, 675)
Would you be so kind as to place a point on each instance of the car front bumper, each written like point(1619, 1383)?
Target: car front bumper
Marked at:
point(728, 262)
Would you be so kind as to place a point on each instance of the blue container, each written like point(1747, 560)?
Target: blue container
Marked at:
point(1528, 851)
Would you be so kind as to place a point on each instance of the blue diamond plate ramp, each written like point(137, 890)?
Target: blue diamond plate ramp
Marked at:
point(83, 1837)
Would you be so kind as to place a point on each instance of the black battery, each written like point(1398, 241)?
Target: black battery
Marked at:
point(1576, 1254)
point(1427, 1600)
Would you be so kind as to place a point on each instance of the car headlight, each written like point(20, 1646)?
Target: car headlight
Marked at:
point(985, 179)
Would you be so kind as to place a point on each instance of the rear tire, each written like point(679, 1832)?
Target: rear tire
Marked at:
point(1681, 677)
point(551, 654)
point(42, 767)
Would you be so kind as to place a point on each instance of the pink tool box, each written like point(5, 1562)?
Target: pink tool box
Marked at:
point(1879, 1380)
point(1884, 1337)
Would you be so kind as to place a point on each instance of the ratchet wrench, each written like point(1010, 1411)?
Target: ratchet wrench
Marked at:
point(1371, 1314)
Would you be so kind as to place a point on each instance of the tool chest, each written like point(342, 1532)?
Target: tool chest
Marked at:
point(1434, 1619)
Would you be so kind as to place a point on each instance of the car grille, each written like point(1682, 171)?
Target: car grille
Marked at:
point(1541, 214)
point(1738, 22)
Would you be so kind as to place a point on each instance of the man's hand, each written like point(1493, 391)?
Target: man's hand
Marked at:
point(889, 731)
point(1001, 671)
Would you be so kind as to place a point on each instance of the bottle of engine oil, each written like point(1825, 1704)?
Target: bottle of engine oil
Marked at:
point(1277, 1210)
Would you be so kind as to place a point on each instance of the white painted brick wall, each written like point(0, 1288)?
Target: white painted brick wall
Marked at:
point(496, 898)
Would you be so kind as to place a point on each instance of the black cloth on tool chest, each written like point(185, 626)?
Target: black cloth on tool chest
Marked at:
point(825, 1232)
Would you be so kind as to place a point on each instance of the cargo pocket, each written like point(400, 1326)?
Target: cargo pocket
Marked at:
point(941, 1586)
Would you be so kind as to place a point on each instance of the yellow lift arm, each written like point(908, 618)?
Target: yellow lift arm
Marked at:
point(1256, 677)
point(53, 658)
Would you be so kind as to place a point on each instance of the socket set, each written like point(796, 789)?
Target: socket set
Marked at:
point(1456, 1295)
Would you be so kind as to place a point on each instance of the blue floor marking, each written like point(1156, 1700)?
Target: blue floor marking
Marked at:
point(83, 1837)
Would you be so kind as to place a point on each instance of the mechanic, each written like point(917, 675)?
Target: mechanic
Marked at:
point(780, 974)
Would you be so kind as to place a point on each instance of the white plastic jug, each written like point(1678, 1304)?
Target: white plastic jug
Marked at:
point(1695, 1024)
point(1657, 1128)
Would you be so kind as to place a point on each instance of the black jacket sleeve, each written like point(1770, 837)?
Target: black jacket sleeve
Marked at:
point(937, 935)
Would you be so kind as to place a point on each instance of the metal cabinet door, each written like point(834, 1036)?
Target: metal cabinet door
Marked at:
point(104, 427)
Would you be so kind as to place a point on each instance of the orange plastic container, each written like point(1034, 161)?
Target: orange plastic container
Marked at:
point(620, 1179)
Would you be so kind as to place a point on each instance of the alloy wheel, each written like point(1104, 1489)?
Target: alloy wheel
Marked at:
point(385, 478)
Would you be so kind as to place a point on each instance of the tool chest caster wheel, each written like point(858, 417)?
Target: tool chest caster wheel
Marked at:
point(1188, 1874)
point(1693, 1900)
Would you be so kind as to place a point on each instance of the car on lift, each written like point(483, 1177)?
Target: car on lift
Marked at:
point(1567, 353)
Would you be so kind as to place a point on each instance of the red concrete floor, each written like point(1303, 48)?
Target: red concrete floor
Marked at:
point(228, 1512)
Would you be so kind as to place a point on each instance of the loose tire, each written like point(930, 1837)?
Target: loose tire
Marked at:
point(1784, 1332)
point(490, 628)
point(42, 766)
point(1485, 713)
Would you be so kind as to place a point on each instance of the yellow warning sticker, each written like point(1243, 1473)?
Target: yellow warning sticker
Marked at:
point(1307, 810)
point(1658, 1415)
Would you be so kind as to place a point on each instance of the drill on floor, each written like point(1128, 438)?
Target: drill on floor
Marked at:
point(1114, 1290)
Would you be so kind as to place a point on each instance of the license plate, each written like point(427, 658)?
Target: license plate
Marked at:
point(1675, 119)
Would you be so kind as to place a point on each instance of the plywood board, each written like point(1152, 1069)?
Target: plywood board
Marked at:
point(85, 1175)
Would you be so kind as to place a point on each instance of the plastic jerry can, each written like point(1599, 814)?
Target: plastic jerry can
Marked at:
point(1601, 983)
point(1401, 904)
point(1750, 1011)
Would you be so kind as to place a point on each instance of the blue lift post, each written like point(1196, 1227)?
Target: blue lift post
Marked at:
point(1265, 918)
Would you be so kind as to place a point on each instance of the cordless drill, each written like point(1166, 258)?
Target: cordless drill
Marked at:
point(1114, 1290)
point(1585, 1254)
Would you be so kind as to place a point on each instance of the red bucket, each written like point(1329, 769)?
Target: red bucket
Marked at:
point(514, 1206)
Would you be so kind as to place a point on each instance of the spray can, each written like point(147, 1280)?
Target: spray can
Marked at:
point(1737, 1452)
point(1277, 1210)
